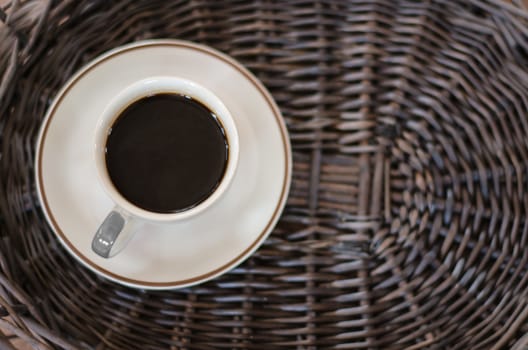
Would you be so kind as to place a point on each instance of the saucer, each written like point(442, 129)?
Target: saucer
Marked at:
point(170, 255)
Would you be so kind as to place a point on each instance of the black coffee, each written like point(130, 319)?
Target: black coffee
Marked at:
point(166, 153)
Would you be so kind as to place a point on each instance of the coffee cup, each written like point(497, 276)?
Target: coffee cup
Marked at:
point(166, 149)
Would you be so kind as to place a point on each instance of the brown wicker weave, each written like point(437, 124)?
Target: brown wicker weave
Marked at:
point(407, 222)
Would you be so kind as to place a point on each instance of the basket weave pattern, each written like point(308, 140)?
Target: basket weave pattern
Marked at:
point(407, 223)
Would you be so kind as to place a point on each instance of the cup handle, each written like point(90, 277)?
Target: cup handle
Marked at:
point(114, 233)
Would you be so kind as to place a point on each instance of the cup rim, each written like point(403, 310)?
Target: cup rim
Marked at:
point(147, 87)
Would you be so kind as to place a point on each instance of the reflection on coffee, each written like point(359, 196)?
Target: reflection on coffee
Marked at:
point(166, 153)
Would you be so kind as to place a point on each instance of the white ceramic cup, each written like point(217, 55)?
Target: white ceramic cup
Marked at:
point(119, 225)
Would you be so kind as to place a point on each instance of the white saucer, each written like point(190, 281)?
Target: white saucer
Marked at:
point(163, 256)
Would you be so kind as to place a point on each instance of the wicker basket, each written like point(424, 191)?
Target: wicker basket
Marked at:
point(407, 222)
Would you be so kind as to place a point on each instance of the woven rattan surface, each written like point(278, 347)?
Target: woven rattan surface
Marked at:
point(407, 222)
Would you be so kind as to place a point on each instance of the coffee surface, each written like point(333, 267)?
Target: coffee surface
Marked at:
point(166, 153)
